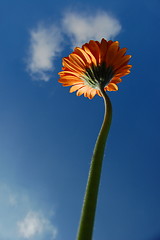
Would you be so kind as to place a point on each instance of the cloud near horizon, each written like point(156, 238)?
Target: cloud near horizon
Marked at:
point(33, 224)
point(21, 220)
point(46, 41)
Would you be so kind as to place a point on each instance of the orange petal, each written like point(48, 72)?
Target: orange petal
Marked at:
point(87, 92)
point(98, 43)
point(69, 82)
point(83, 55)
point(103, 49)
point(75, 87)
point(124, 73)
point(70, 65)
point(73, 81)
point(116, 80)
point(69, 77)
point(95, 50)
point(92, 93)
point(98, 92)
point(112, 87)
point(112, 52)
point(121, 61)
point(121, 52)
point(77, 60)
point(65, 73)
point(87, 50)
point(119, 56)
point(82, 90)
point(120, 69)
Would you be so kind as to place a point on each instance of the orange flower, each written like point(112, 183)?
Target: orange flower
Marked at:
point(95, 65)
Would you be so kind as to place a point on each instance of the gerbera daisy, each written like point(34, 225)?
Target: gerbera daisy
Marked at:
point(95, 66)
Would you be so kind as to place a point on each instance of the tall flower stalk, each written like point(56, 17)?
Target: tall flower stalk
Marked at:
point(92, 70)
point(90, 200)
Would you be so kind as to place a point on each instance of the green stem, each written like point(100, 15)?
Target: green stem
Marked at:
point(90, 200)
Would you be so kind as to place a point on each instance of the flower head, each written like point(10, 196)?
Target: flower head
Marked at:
point(95, 65)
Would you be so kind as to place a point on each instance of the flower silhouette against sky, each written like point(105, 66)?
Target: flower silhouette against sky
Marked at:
point(95, 68)
point(95, 65)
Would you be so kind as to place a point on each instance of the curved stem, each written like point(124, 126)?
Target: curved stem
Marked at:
point(90, 200)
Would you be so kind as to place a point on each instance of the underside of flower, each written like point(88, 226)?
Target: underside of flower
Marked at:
point(98, 75)
point(95, 65)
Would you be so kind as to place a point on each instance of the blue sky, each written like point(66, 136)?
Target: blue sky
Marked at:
point(47, 134)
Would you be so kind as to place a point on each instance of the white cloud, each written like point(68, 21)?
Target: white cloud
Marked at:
point(46, 41)
point(26, 218)
point(35, 224)
point(44, 46)
point(83, 27)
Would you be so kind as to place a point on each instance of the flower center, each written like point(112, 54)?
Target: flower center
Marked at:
point(96, 76)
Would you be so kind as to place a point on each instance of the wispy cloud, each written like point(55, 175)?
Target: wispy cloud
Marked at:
point(20, 219)
point(81, 27)
point(46, 41)
point(33, 224)
point(45, 44)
